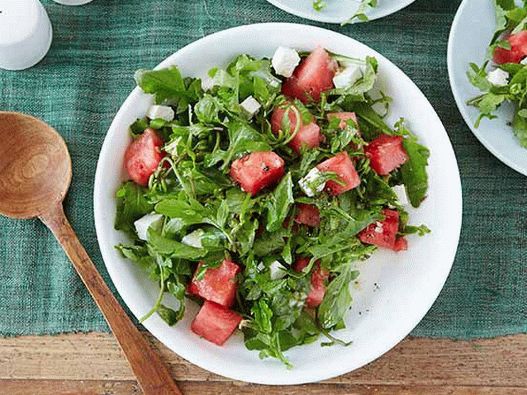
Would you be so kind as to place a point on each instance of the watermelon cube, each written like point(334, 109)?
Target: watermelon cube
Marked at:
point(313, 76)
point(386, 154)
point(143, 156)
point(307, 214)
point(342, 165)
point(218, 285)
point(215, 323)
point(308, 134)
point(257, 171)
point(384, 233)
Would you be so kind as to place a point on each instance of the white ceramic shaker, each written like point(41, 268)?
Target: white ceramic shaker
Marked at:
point(25, 33)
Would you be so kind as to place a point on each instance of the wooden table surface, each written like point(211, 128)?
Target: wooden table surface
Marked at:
point(93, 364)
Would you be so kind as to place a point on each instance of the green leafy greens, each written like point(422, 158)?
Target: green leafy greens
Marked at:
point(510, 19)
point(202, 217)
point(360, 13)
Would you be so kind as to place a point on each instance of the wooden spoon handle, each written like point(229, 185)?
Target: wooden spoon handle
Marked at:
point(151, 373)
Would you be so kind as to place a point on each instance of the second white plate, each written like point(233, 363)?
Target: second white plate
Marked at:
point(338, 11)
point(472, 30)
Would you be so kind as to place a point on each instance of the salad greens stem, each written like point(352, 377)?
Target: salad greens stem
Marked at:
point(159, 299)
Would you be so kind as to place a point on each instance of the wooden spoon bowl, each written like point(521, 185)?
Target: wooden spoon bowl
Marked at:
point(35, 175)
point(35, 166)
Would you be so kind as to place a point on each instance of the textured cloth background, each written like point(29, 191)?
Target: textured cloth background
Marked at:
point(80, 85)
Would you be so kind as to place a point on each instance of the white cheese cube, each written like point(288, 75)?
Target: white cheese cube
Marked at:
point(347, 77)
point(260, 267)
point(161, 112)
point(311, 184)
point(193, 239)
point(144, 223)
point(285, 61)
point(207, 83)
point(400, 191)
point(498, 77)
point(524, 61)
point(277, 270)
point(250, 106)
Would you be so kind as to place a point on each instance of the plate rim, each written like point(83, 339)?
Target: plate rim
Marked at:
point(461, 105)
point(282, 379)
point(334, 20)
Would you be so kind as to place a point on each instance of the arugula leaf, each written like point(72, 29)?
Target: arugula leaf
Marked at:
point(306, 329)
point(262, 316)
point(189, 212)
point(131, 205)
point(279, 204)
point(204, 181)
point(360, 13)
point(365, 84)
point(268, 243)
point(207, 109)
point(328, 244)
point(367, 114)
point(139, 255)
point(519, 125)
point(243, 139)
point(173, 248)
point(478, 77)
point(337, 299)
point(168, 315)
point(245, 236)
point(413, 172)
point(166, 85)
point(319, 5)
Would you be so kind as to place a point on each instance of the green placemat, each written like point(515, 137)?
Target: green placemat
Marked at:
point(80, 85)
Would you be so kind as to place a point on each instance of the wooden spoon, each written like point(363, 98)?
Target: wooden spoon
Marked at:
point(35, 174)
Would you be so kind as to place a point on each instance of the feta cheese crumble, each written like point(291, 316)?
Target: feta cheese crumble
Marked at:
point(312, 183)
point(498, 77)
point(193, 239)
point(285, 61)
point(400, 191)
point(207, 83)
point(144, 223)
point(277, 270)
point(161, 112)
point(250, 106)
point(348, 76)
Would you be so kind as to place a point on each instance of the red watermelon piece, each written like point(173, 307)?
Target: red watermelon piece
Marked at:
point(308, 135)
point(215, 323)
point(342, 165)
point(313, 76)
point(143, 156)
point(386, 154)
point(218, 285)
point(257, 171)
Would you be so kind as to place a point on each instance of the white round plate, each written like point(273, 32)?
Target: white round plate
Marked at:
point(395, 290)
point(472, 30)
point(338, 11)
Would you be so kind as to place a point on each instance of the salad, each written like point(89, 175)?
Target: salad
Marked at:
point(503, 75)
point(360, 14)
point(258, 191)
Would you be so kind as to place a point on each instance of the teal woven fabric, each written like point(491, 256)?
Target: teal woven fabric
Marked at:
point(88, 73)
